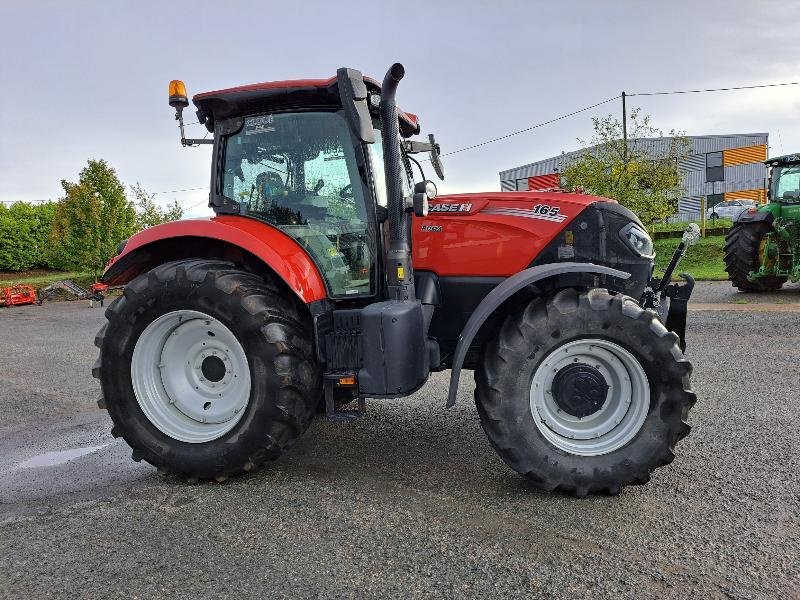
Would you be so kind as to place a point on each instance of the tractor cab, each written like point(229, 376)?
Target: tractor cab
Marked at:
point(784, 179)
point(306, 157)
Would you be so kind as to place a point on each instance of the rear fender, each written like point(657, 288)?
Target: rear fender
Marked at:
point(235, 238)
point(502, 293)
point(760, 216)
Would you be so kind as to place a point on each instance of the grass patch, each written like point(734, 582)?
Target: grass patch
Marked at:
point(42, 278)
point(682, 225)
point(703, 261)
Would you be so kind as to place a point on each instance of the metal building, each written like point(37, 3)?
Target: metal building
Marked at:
point(720, 167)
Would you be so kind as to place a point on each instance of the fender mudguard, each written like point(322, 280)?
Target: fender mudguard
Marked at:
point(195, 237)
point(502, 293)
point(755, 217)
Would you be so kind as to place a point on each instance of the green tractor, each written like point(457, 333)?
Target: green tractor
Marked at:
point(762, 249)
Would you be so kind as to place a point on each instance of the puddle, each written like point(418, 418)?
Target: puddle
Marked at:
point(52, 459)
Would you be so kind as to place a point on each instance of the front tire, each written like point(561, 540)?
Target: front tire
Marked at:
point(584, 392)
point(207, 370)
point(742, 257)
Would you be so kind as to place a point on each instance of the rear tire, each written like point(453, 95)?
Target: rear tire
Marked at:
point(628, 339)
point(742, 248)
point(260, 331)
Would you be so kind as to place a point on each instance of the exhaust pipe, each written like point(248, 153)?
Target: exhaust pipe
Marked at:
point(396, 327)
point(399, 271)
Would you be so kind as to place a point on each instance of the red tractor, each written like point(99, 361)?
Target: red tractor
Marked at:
point(328, 275)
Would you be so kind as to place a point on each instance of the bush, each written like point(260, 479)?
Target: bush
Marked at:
point(81, 231)
point(24, 236)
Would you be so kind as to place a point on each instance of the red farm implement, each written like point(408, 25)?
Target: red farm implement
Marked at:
point(17, 295)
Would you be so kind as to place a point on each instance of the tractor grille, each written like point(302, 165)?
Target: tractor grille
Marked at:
point(343, 343)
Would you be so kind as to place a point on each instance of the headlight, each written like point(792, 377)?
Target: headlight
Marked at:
point(638, 240)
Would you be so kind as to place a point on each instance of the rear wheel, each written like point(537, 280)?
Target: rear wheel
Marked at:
point(584, 392)
point(743, 255)
point(207, 370)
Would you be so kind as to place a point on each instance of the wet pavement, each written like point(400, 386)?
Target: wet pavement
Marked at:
point(408, 501)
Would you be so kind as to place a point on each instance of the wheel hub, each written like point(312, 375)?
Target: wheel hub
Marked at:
point(579, 389)
point(589, 397)
point(213, 368)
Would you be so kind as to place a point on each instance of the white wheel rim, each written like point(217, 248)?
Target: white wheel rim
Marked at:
point(190, 376)
point(619, 418)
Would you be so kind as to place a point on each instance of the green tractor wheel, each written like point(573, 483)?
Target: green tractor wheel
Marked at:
point(744, 254)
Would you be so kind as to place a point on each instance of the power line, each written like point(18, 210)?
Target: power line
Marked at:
point(194, 189)
point(196, 205)
point(722, 89)
point(532, 127)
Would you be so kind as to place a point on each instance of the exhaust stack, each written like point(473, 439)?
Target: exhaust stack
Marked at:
point(399, 270)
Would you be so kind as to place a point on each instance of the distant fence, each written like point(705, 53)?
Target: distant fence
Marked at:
point(682, 217)
point(710, 231)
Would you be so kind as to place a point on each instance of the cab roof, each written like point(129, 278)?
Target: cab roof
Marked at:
point(292, 93)
point(786, 159)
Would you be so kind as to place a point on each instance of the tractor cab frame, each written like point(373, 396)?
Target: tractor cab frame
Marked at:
point(325, 162)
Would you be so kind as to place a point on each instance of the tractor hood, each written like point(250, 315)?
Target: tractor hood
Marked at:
point(558, 198)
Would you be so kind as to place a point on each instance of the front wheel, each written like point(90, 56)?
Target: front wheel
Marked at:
point(584, 392)
point(207, 370)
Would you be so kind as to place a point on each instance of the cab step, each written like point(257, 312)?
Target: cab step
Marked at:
point(334, 381)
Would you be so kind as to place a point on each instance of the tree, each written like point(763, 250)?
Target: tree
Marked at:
point(648, 185)
point(148, 213)
point(92, 218)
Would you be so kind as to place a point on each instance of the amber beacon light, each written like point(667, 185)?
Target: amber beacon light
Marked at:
point(177, 94)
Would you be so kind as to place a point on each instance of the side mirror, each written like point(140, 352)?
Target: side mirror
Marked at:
point(436, 159)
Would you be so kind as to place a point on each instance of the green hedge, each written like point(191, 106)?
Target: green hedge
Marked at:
point(25, 237)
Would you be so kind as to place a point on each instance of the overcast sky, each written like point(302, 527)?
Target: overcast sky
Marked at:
point(83, 80)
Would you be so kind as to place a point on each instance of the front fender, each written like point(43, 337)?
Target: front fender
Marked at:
point(502, 293)
point(197, 237)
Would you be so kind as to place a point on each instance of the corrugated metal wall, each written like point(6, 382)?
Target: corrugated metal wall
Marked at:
point(543, 182)
point(757, 195)
point(693, 162)
point(743, 156)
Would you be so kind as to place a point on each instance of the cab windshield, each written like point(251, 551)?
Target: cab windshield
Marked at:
point(298, 172)
point(785, 185)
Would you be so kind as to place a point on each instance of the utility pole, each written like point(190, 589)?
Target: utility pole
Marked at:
point(624, 131)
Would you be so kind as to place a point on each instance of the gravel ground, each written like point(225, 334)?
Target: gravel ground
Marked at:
point(409, 501)
point(724, 292)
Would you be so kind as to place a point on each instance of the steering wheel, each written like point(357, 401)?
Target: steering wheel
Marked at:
point(346, 191)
